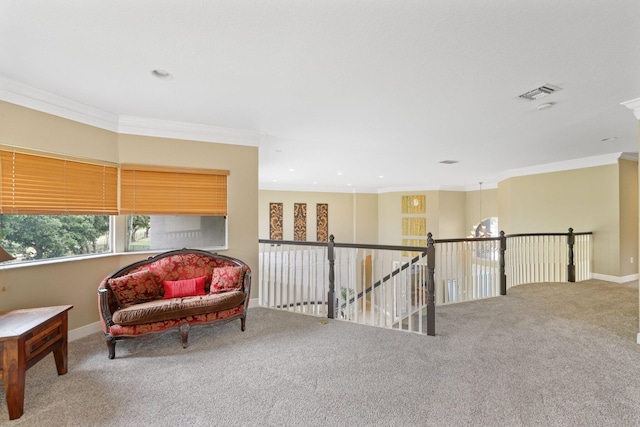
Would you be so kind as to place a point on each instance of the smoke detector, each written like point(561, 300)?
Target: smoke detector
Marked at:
point(540, 92)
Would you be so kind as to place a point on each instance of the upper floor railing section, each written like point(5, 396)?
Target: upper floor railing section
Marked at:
point(390, 286)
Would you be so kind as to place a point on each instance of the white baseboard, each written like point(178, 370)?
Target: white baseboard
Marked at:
point(254, 302)
point(84, 331)
point(614, 279)
point(638, 338)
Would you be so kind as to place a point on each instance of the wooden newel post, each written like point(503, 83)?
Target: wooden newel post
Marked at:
point(431, 266)
point(503, 274)
point(571, 268)
point(331, 296)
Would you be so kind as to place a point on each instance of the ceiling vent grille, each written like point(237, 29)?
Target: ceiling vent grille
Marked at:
point(540, 92)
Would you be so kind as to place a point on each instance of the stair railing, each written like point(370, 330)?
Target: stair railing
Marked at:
point(399, 286)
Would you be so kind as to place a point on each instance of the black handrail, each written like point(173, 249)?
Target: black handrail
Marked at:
point(428, 252)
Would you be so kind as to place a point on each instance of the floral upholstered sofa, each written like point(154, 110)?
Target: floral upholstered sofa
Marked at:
point(174, 289)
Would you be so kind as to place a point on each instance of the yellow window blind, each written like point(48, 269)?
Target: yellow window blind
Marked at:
point(43, 184)
point(150, 190)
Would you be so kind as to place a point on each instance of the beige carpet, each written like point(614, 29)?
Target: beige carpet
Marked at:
point(544, 355)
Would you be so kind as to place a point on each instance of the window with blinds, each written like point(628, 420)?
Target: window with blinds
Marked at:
point(43, 184)
point(149, 190)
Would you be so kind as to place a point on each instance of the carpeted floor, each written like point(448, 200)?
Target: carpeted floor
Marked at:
point(553, 354)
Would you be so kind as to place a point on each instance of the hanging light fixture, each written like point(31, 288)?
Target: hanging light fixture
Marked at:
point(480, 229)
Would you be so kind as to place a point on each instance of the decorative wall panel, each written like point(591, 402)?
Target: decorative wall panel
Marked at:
point(275, 221)
point(414, 226)
point(322, 222)
point(414, 205)
point(300, 222)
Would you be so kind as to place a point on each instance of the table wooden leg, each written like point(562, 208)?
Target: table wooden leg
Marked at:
point(61, 351)
point(14, 370)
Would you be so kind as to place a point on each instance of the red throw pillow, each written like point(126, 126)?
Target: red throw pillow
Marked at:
point(226, 279)
point(184, 288)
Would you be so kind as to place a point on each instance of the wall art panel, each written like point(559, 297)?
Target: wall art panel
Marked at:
point(275, 221)
point(322, 222)
point(414, 226)
point(300, 222)
point(414, 204)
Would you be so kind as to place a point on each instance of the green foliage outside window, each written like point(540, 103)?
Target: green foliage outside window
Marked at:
point(32, 237)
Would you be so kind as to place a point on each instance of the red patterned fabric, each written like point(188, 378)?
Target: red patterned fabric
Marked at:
point(184, 288)
point(134, 330)
point(134, 288)
point(186, 266)
point(226, 279)
point(176, 267)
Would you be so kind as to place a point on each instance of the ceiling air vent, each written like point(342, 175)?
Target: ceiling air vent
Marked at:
point(540, 92)
point(449, 162)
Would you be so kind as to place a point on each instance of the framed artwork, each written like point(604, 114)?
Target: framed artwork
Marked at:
point(322, 222)
point(414, 226)
point(414, 205)
point(275, 221)
point(300, 222)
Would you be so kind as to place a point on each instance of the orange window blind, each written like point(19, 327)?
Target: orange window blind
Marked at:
point(150, 190)
point(43, 184)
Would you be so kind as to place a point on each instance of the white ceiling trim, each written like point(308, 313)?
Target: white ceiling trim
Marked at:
point(316, 189)
point(193, 132)
point(585, 162)
point(46, 102)
point(633, 104)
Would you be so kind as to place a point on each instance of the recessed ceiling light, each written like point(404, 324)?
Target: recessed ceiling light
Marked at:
point(292, 170)
point(339, 173)
point(380, 176)
point(449, 162)
point(348, 185)
point(611, 138)
point(162, 74)
point(545, 106)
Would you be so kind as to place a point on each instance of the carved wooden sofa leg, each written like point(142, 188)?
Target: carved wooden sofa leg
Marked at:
point(111, 345)
point(242, 323)
point(184, 333)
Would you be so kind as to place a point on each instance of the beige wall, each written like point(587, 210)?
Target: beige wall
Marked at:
point(585, 199)
point(242, 182)
point(600, 199)
point(452, 210)
point(628, 217)
point(345, 209)
point(40, 131)
point(76, 281)
point(480, 206)
point(366, 218)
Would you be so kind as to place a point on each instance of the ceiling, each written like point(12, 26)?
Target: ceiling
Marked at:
point(349, 95)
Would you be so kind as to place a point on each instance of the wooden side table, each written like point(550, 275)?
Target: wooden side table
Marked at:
point(26, 336)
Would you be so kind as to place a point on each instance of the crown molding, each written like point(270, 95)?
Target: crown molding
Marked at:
point(46, 102)
point(630, 156)
point(315, 189)
point(585, 162)
point(633, 104)
point(492, 183)
point(180, 130)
